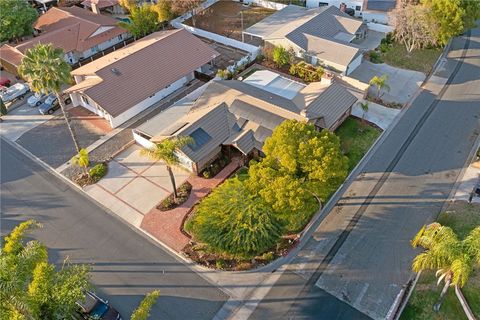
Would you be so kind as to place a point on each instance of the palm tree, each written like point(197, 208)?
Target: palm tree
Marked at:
point(46, 69)
point(82, 160)
point(380, 83)
point(165, 151)
point(364, 105)
point(453, 259)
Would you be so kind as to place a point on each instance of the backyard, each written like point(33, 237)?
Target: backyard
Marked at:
point(356, 138)
point(462, 218)
point(225, 18)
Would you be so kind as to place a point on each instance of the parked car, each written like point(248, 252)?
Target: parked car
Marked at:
point(16, 91)
point(4, 82)
point(50, 105)
point(36, 100)
point(96, 308)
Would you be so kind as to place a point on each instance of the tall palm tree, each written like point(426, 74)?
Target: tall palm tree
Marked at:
point(165, 151)
point(380, 83)
point(364, 105)
point(453, 259)
point(45, 68)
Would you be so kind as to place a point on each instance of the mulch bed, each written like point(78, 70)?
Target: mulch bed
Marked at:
point(201, 255)
point(183, 193)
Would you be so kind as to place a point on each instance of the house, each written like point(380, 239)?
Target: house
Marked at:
point(101, 6)
point(79, 32)
point(369, 10)
point(237, 116)
point(127, 81)
point(320, 36)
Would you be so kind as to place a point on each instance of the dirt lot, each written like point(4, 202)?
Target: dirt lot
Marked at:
point(228, 55)
point(224, 18)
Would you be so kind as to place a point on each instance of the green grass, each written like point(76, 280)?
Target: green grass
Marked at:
point(462, 218)
point(419, 60)
point(242, 174)
point(356, 139)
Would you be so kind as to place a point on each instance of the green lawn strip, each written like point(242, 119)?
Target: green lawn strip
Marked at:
point(419, 60)
point(355, 142)
point(462, 218)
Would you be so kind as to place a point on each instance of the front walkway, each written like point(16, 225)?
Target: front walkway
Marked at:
point(166, 225)
point(134, 185)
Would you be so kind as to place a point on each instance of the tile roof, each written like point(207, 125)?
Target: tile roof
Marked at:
point(70, 29)
point(143, 68)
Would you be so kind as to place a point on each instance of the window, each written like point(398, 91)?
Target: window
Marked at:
point(322, 4)
point(85, 99)
point(358, 8)
point(120, 37)
point(95, 49)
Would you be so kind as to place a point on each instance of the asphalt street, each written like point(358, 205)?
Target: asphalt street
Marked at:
point(359, 258)
point(125, 264)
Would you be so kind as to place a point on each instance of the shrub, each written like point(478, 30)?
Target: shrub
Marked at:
point(235, 221)
point(220, 264)
point(306, 71)
point(98, 171)
point(268, 256)
point(375, 57)
point(384, 47)
point(206, 174)
point(281, 56)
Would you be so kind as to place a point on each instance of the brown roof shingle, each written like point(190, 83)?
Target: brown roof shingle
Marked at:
point(143, 68)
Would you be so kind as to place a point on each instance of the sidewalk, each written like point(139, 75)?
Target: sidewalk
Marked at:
point(469, 180)
point(166, 226)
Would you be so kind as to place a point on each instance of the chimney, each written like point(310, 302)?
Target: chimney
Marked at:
point(93, 3)
point(327, 78)
point(343, 7)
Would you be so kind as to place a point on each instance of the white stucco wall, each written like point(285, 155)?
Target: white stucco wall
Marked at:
point(350, 4)
point(105, 45)
point(354, 64)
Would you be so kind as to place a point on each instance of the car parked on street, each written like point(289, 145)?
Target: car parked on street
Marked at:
point(95, 308)
point(37, 99)
point(50, 105)
point(16, 91)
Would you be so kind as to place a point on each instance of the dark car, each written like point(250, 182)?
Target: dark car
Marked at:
point(95, 308)
point(50, 105)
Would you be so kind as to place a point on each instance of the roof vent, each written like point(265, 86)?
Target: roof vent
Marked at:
point(115, 71)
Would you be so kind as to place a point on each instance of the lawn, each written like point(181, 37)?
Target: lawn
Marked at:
point(462, 218)
point(356, 139)
point(419, 60)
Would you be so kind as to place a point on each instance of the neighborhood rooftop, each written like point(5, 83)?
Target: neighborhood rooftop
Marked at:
point(127, 76)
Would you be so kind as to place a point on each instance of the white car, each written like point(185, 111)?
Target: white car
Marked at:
point(16, 91)
point(36, 99)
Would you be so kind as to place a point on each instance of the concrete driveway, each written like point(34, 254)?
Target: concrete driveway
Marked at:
point(372, 40)
point(403, 83)
point(134, 185)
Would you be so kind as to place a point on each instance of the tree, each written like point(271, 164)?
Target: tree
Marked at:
point(127, 5)
point(453, 259)
point(281, 56)
point(415, 27)
point(82, 160)
point(472, 13)
point(166, 151)
point(143, 21)
point(449, 15)
point(164, 10)
point(235, 221)
point(31, 287)
point(380, 83)
point(143, 310)
point(284, 193)
point(181, 7)
point(314, 157)
point(46, 69)
point(16, 19)
point(364, 105)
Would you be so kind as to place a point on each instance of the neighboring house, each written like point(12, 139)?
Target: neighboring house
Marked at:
point(127, 81)
point(370, 10)
point(320, 36)
point(237, 116)
point(102, 6)
point(79, 32)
